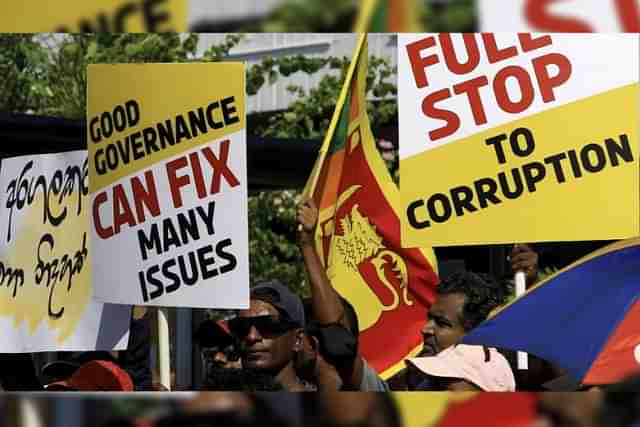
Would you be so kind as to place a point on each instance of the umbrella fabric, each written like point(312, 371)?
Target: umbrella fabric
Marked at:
point(584, 318)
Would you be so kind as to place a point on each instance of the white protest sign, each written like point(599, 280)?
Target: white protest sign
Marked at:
point(45, 258)
point(168, 184)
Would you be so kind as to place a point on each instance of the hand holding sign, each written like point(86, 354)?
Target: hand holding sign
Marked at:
point(525, 259)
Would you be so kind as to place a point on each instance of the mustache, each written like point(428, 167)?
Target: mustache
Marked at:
point(429, 345)
point(432, 341)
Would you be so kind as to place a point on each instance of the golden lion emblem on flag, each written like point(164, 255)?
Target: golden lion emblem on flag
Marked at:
point(354, 243)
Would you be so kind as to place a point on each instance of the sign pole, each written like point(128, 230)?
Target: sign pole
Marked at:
point(164, 356)
point(29, 413)
point(521, 287)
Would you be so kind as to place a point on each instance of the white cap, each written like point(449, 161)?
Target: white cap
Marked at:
point(482, 366)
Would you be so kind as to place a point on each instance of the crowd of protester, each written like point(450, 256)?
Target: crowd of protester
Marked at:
point(284, 343)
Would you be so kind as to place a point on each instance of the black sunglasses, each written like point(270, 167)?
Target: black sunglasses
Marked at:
point(267, 326)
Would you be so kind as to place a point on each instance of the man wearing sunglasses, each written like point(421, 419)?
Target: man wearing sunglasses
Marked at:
point(270, 333)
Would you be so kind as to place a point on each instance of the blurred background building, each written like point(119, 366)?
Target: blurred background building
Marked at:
point(229, 15)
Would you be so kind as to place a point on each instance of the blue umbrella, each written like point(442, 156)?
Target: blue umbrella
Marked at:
point(585, 318)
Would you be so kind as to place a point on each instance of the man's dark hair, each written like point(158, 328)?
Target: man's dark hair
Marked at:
point(243, 379)
point(482, 291)
point(338, 344)
point(351, 317)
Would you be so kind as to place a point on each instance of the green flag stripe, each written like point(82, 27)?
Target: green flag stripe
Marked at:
point(339, 139)
point(379, 22)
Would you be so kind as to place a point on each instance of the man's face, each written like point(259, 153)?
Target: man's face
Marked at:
point(444, 326)
point(263, 349)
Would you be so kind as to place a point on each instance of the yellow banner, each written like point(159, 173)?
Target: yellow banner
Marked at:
point(115, 16)
point(564, 174)
point(140, 114)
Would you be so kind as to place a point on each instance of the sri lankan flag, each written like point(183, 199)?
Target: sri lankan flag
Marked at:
point(358, 233)
point(389, 16)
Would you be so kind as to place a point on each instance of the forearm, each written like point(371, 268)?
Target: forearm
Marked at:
point(326, 304)
point(328, 309)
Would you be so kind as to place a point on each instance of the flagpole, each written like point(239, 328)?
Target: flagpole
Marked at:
point(521, 288)
point(315, 173)
point(365, 11)
point(164, 354)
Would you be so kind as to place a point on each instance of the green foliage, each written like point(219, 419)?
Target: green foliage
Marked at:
point(64, 84)
point(339, 16)
point(21, 57)
point(126, 48)
point(48, 76)
point(217, 53)
point(271, 68)
point(62, 87)
point(452, 16)
point(546, 272)
point(272, 239)
point(309, 16)
point(308, 117)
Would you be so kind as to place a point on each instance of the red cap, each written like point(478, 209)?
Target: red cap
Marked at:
point(96, 375)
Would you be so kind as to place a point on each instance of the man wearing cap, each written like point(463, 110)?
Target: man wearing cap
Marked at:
point(461, 368)
point(95, 375)
point(270, 332)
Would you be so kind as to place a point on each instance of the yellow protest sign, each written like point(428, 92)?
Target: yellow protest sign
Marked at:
point(530, 138)
point(167, 168)
point(45, 302)
point(94, 16)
